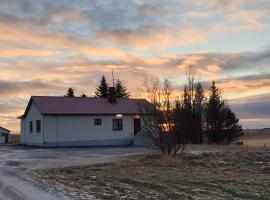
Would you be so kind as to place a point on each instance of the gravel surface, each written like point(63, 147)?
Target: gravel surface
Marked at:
point(16, 162)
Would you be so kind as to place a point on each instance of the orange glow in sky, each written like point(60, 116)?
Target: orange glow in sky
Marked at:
point(48, 46)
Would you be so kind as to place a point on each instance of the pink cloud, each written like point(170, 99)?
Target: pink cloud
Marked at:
point(155, 39)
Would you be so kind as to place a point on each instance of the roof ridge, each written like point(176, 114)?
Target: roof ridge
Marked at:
point(63, 96)
point(80, 105)
point(90, 97)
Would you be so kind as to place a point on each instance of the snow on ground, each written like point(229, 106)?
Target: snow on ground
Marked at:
point(17, 161)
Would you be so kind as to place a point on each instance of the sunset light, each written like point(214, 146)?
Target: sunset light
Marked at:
point(48, 46)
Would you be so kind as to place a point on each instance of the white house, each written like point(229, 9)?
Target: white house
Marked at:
point(4, 135)
point(79, 121)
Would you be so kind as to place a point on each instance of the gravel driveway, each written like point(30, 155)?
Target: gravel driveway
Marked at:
point(17, 161)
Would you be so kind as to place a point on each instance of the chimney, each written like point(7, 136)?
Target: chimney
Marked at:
point(112, 95)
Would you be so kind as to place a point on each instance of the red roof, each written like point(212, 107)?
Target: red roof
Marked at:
point(84, 105)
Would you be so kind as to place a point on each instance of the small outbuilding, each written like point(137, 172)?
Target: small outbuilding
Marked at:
point(80, 121)
point(4, 135)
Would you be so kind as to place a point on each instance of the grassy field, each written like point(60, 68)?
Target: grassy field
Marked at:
point(256, 137)
point(240, 174)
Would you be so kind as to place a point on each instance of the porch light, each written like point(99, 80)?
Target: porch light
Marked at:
point(119, 115)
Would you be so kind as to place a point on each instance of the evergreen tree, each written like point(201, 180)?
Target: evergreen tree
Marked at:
point(120, 89)
point(112, 95)
point(222, 124)
point(70, 93)
point(179, 127)
point(103, 89)
point(232, 129)
point(198, 112)
point(214, 112)
point(187, 115)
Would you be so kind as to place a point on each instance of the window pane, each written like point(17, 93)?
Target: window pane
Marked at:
point(97, 122)
point(117, 124)
point(38, 125)
point(30, 126)
point(120, 124)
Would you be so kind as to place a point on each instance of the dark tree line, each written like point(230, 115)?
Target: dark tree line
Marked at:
point(192, 119)
point(102, 90)
point(206, 120)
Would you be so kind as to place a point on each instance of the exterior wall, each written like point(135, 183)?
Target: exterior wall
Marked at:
point(33, 138)
point(2, 136)
point(77, 130)
point(74, 130)
point(2, 139)
point(22, 134)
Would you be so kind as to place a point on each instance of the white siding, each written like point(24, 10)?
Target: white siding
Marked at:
point(33, 138)
point(2, 139)
point(50, 130)
point(22, 134)
point(77, 130)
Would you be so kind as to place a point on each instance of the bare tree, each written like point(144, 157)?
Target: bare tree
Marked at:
point(192, 78)
point(159, 118)
point(192, 102)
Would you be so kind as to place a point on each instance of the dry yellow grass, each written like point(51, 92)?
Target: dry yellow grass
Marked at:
point(238, 173)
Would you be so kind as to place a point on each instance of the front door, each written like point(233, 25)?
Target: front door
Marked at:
point(137, 125)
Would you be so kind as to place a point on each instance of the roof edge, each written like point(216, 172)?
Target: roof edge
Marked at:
point(5, 129)
point(27, 108)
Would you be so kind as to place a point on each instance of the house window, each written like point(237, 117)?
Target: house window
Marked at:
point(31, 126)
point(117, 124)
point(38, 126)
point(97, 122)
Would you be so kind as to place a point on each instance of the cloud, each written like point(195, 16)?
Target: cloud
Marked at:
point(137, 24)
point(233, 63)
point(6, 108)
point(146, 39)
point(254, 113)
point(17, 52)
point(110, 29)
point(31, 87)
point(200, 14)
point(66, 15)
point(225, 5)
point(47, 46)
point(247, 87)
point(250, 20)
point(57, 42)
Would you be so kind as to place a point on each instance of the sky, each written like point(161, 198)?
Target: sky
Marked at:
point(47, 46)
